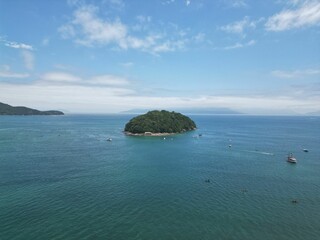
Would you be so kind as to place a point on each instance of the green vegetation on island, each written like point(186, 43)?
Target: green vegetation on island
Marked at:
point(6, 109)
point(159, 122)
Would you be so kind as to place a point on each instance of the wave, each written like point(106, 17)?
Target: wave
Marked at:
point(260, 152)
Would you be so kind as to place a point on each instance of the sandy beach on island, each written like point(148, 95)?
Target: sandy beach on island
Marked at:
point(149, 134)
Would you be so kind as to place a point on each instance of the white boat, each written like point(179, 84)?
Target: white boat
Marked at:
point(109, 139)
point(291, 158)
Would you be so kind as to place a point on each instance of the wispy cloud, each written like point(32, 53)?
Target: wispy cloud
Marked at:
point(166, 2)
point(93, 30)
point(296, 73)
point(28, 59)
point(239, 3)
point(88, 29)
point(91, 99)
point(16, 45)
point(235, 3)
point(200, 37)
point(306, 14)
point(60, 77)
point(188, 2)
point(127, 64)
point(239, 27)
point(240, 45)
point(143, 23)
point(5, 72)
point(45, 41)
point(65, 78)
point(109, 80)
point(115, 4)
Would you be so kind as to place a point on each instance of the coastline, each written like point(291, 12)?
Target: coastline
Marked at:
point(149, 134)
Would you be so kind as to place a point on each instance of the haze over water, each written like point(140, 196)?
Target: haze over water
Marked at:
point(61, 179)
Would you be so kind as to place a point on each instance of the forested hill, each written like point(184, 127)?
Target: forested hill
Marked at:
point(6, 109)
point(160, 122)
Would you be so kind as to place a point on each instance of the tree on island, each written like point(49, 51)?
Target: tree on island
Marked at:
point(159, 122)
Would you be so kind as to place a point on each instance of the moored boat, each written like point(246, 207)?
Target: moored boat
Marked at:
point(291, 158)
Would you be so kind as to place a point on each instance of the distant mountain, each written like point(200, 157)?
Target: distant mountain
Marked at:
point(205, 111)
point(135, 111)
point(6, 109)
point(208, 111)
point(313, 113)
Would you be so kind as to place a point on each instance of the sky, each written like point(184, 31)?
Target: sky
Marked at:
point(109, 56)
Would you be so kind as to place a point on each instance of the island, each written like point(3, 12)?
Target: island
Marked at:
point(159, 123)
point(6, 109)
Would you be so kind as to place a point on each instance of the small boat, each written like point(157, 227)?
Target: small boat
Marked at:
point(109, 139)
point(305, 150)
point(291, 158)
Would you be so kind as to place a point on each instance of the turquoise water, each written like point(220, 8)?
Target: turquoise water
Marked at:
point(61, 179)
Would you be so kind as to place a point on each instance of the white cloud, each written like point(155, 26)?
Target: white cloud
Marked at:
point(200, 37)
point(65, 78)
point(239, 27)
point(307, 14)
point(109, 80)
point(28, 59)
point(108, 93)
point(91, 99)
point(88, 29)
point(234, 46)
point(74, 2)
point(45, 41)
point(251, 43)
point(166, 2)
point(143, 23)
point(60, 77)
point(239, 3)
point(95, 30)
point(67, 31)
point(240, 45)
point(169, 46)
point(18, 45)
point(143, 19)
point(235, 3)
point(5, 72)
point(127, 64)
point(296, 73)
point(293, 3)
point(116, 4)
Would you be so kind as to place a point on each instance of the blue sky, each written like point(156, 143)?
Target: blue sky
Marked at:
point(82, 56)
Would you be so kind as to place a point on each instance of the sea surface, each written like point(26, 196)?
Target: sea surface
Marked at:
point(61, 179)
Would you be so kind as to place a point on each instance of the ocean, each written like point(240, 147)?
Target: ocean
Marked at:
point(61, 179)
